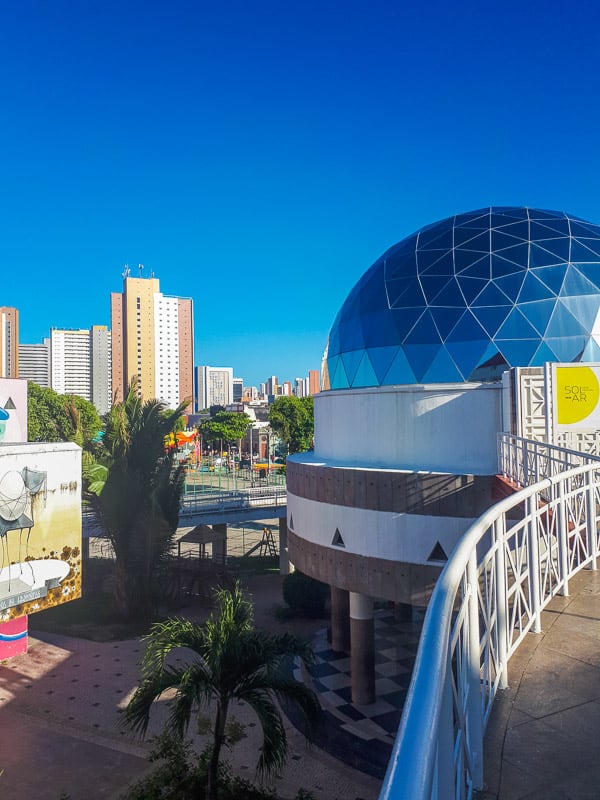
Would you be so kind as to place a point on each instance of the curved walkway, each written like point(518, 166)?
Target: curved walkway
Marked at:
point(543, 739)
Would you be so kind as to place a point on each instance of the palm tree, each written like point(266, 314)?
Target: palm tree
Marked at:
point(135, 490)
point(232, 661)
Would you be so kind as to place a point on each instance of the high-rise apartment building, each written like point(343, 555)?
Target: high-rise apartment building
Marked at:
point(153, 340)
point(238, 390)
point(314, 381)
point(9, 342)
point(34, 362)
point(214, 387)
point(80, 363)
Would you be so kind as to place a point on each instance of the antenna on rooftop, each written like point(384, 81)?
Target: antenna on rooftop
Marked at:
point(126, 271)
point(141, 269)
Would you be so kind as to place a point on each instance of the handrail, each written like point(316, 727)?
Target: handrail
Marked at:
point(479, 612)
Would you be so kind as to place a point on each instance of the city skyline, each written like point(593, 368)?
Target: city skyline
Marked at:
point(259, 159)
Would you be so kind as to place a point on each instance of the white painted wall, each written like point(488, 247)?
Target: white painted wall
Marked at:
point(409, 538)
point(437, 427)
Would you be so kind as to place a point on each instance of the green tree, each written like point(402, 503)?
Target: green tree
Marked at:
point(225, 426)
point(292, 419)
point(231, 661)
point(53, 417)
point(135, 490)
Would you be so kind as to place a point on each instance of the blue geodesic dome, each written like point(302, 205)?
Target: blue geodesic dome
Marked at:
point(468, 297)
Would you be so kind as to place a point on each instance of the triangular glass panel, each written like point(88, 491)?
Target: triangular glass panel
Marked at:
point(591, 272)
point(433, 284)
point(584, 230)
point(503, 214)
point(511, 284)
point(491, 296)
point(517, 327)
point(555, 228)
point(538, 213)
point(450, 295)
point(446, 318)
point(581, 253)
point(576, 283)
point(426, 260)
point(466, 258)
point(467, 329)
point(502, 240)
point(381, 360)
point(502, 267)
point(583, 308)
point(540, 232)
point(563, 323)
point(424, 332)
point(518, 352)
point(9, 404)
point(404, 320)
point(491, 317)
point(542, 355)
point(332, 365)
point(351, 361)
point(464, 237)
point(400, 373)
point(379, 329)
point(337, 540)
point(479, 269)
point(437, 554)
point(443, 370)
point(519, 229)
point(467, 354)
point(534, 289)
point(480, 243)
point(553, 277)
point(433, 239)
point(491, 365)
point(398, 266)
point(365, 374)
point(538, 313)
point(405, 293)
point(471, 287)
point(372, 295)
point(591, 352)
point(339, 380)
point(518, 254)
point(559, 248)
point(420, 357)
point(541, 257)
point(291, 523)
point(478, 219)
point(351, 334)
point(567, 348)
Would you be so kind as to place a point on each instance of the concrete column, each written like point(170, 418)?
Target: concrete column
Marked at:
point(340, 620)
point(284, 559)
point(219, 547)
point(362, 649)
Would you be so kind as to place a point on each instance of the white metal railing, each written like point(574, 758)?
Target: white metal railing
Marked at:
point(252, 497)
point(527, 461)
point(500, 576)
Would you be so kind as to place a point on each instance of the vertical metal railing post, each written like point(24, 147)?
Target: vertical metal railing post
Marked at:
point(563, 544)
point(536, 463)
point(533, 563)
point(445, 779)
point(591, 518)
point(474, 709)
point(501, 601)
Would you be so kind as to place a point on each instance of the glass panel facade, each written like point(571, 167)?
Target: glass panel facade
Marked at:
point(467, 297)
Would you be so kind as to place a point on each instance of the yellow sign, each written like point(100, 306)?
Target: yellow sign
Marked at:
point(577, 394)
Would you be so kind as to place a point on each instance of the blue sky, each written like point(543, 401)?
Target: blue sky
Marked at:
point(259, 156)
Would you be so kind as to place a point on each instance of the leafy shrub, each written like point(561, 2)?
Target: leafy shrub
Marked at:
point(305, 595)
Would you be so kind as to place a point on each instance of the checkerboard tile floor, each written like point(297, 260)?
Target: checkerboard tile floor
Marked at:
point(364, 734)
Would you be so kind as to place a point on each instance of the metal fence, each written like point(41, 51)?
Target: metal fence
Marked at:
point(499, 578)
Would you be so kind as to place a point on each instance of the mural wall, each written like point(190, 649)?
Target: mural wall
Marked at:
point(40, 527)
point(13, 410)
